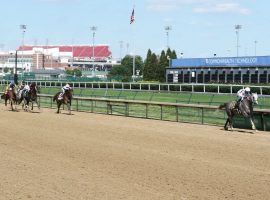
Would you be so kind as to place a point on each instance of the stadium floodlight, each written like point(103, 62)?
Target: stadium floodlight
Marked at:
point(167, 30)
point(23, 28)
point(255, 47)
point(121, 47)
point(93, 29)
point(237, 29)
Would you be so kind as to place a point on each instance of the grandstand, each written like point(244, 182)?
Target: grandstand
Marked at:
point(250, 69)
point(78, 52)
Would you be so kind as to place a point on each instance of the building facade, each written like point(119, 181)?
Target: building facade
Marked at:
point(250, 69)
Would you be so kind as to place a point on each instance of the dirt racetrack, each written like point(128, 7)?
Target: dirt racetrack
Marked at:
point(92, 156)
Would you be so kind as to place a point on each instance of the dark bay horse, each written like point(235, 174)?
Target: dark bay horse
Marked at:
point(30, 96)
point(66, 99)
point(11, 96)
point(245, 109)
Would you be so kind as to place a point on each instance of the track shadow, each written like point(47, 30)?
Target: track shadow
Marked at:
point(239, 131)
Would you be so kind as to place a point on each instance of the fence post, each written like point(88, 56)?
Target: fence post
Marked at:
point(77, 104)
point(127, 110)
point(92, 106)
point(161, 112)
point(146, 111)
point(177, 112)
point(202, 115)
point(262, 122)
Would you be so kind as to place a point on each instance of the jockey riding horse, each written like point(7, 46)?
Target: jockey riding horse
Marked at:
point(10, 95)
point(29, 94)
point(63, 98)
point(243, 108)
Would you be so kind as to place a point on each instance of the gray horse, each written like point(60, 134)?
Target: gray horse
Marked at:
point(245, 109)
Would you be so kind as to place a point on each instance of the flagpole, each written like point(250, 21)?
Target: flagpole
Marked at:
point(133, 33)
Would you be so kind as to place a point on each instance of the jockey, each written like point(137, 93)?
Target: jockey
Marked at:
point(64, 89)
point(241, 94)
point(26, 88)
point(11, 86)
point(21, 87)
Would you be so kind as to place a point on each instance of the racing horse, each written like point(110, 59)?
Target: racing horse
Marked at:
point(244, 108)
point(11, 96)
point(66, 99)
point(30, 96)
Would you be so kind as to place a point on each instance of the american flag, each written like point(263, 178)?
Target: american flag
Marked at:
point(132, 19)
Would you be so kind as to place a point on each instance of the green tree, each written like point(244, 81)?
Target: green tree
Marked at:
point(5, 70)
point(124, 71)
point(163, 63)
point(147, 69)
point(74, 72)
point(77, 72)
point(119, 73)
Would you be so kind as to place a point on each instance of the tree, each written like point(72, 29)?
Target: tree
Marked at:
point(155, 67)
point(147, 69)
point(124, 71)
point(163, 63)
point(5, 70)
point(119, 73)
point(74, 72)
point(152, 68)
point(77, 72)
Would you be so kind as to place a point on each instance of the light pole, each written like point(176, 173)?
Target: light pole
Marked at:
point(167, 29)
point(121, 47)
point(237, 29)
point(181, 55)
point(23, 28)
point(255, 47)
point(15, 76)
point(127, 45)
point(93, 29)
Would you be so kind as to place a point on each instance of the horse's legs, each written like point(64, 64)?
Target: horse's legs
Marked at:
point(58, 107)
point(69, 110)
point(252, 124)
point(225, 126)
point(11, 104)
point(231, 122)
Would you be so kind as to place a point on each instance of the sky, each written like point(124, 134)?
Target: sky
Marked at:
point(199, 28)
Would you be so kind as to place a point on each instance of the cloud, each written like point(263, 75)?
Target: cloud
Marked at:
point(198, 6)
point(222, 8)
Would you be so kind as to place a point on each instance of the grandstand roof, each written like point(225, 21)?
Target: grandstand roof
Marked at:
point(79, 51)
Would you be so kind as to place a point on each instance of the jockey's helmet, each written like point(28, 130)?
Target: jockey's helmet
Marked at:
point(67, 85)
point(247, 89)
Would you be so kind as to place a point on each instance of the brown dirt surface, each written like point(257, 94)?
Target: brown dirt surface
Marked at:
point(91, 156)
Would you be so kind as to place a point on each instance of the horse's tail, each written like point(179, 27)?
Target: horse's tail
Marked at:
point(55, 96)
point(222, 106)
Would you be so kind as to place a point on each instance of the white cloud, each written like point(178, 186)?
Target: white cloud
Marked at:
point(222, 8)
point(199, 6)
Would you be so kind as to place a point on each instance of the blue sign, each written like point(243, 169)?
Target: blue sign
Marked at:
point(249, 61)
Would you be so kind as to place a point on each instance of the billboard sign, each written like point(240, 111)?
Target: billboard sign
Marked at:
point(249, 61)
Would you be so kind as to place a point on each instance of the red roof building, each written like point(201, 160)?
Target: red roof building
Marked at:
point(99, 52)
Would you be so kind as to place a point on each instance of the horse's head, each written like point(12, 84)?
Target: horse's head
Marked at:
point(254, 97)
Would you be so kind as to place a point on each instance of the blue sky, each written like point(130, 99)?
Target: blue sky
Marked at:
point(200, 28)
